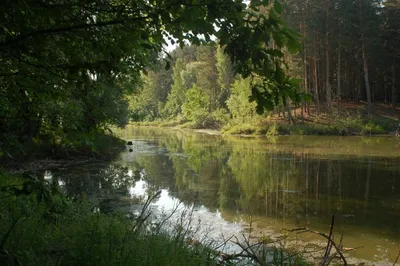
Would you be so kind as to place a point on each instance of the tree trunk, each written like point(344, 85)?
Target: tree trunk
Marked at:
point(327, 76)
point(394, 100)
point(385, 88)
point(327, 73)
point(338, 96)
point(316, 84)
point(339, 50)
point(289, 111)
point(357, 88)
point(365, 64)
point(304, 105)
point(366, 80)
point(345, 82)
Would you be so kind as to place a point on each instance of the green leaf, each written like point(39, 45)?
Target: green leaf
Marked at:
point(307, 97)
point(295, 82)
point(280, 75)
point(293, 45)
point(278, 7)
point(38, 195)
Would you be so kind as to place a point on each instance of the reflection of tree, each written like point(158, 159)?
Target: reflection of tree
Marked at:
point(159, 172)
point(286, 183)
point(194, 167)
point(200, 169)
point(266, 180)
point(106, 186)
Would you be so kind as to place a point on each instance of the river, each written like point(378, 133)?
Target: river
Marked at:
point(270, 182)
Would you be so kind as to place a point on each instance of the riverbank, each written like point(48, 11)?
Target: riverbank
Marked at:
point(57, 231)
point(48, 154)
point(276, 128)
point(40, 226)
point(347, 119)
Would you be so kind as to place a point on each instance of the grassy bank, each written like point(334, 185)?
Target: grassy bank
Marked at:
point(340, 126)
point(67, 233)
point(41, 227)
point(343, 120)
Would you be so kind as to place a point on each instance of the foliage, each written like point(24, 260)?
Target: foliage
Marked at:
point(74, 234)
point(68, 65)
point(225, 76)
point(196, 106)
point(152, 94)
point(95, 144)
point(176, 97)
point(238, 103)
point(341, 124)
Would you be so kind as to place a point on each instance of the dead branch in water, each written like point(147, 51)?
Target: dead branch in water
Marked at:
point(327, 257)
point(397, 258)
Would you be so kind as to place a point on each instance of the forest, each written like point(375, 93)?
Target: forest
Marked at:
point(349, 53)
point(68, 69)
point(67, 75)
point(73, 72)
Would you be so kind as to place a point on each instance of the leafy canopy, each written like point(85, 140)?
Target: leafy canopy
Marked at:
point(60, 58)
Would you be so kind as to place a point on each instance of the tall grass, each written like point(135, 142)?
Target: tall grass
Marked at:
point(74, 233)
point(39, 226)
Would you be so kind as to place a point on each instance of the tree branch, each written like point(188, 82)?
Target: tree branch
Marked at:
point(59, 30)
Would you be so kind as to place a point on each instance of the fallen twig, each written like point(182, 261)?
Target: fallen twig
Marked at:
point(397, 258)
point(339, 249)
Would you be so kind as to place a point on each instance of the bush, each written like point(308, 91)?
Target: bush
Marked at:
point(98, 143)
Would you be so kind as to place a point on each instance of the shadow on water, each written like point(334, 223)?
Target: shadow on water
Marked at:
point(278, 182)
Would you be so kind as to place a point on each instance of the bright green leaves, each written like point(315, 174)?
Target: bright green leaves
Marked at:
point(196, 105)
point(176, 96)
point(238, 103)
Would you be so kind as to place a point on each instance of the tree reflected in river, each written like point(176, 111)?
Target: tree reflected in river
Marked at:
point(105, 185)
point(278, 182)
point(297, 182)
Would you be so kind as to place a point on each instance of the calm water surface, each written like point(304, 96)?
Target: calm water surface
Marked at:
point(280, 182)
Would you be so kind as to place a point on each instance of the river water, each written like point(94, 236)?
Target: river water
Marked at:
point(271, 183)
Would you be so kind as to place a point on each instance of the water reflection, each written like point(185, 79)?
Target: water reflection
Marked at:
point(279, 182)
point(283, 182)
